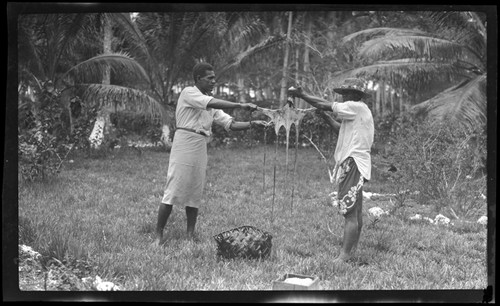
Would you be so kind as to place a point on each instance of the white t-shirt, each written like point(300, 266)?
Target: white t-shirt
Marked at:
point(192, 112)
point(355, 135)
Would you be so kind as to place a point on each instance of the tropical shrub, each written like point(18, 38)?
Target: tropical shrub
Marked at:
point(439, 164)
point(42, 137)
point(131, 123)
point(84, 117)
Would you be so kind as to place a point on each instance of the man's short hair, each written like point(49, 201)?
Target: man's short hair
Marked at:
point(200, 69)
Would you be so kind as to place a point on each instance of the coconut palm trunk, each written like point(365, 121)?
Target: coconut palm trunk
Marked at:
point(102, 125)
point(307, 62)
point(285, 62)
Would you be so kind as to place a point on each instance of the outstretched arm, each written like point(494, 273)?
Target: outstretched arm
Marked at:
point(239, 125)
point(331, 122)
point(223, 104)
point(317, 102)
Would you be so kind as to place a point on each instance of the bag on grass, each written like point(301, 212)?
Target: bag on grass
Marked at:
point(244, 242)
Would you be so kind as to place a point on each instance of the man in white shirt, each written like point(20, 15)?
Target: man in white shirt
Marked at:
point(352, 154)
point(195, 112)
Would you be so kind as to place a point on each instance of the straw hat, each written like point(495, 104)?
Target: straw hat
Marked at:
point(352, 84)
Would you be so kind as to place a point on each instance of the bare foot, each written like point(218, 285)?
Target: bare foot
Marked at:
point(194, 237)
point(157, 242)
point(339, 261)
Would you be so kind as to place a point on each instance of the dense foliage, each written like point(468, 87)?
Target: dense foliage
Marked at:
point(323, 45)
point(438, 164)
point(42, 137)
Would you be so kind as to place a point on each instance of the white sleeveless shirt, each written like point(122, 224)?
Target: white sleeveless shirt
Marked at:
point(355, 136)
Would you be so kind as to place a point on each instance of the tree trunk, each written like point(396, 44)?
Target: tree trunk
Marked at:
point(401, 106)
point(268, 92)
point(391, 98)
point(297, 75)
point(107, 49)
point(166, 137)
point(65, 101)
point(97, 135)
point(332, 20)
point(382, 98)
point(168, 127)
point(102, 125)
point(258, 95)
point(307, 62)
point(241, 88)
point(258, 92)
point(283, 93)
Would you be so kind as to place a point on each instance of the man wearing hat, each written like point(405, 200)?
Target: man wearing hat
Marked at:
point(352, 154)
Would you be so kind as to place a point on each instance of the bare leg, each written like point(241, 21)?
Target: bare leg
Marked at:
point(351, 236)
point(164, 211)
point(360, 222)
point(191, 214)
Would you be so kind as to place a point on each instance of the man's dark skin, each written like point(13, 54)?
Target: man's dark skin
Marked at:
point(353, 221)
point(323, 105)
point(205, 84)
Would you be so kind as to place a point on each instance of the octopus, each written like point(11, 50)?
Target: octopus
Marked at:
point(285, 117)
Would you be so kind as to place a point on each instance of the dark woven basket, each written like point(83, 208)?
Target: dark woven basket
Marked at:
point(244, 242)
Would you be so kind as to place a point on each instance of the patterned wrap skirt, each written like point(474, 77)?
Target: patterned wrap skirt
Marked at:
point(186, 170)
point(350, 182)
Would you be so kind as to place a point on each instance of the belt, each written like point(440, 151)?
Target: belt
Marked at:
point(192, 130)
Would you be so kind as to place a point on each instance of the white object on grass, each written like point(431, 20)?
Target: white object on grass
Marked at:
point(107, 286)
point(104, 286)
point(370, 195)
point(377, 212)
point(299, 281)
point(440, 219)
point(429, 219)
point(483, 220)
point(416, 217)
point(367, 194)
point(28, 250)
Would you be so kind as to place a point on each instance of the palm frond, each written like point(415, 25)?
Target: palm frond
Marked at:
point(119, 97)
point(406, 71)
point(94, 67)
point(131, 28)
point(397, 42)
point(29, 54)
point(373, 32)
point(25, 75)
point(464, 103)
point(463, 27)
point(249, 52)
point(478, 25)
point(411, 46)
point(460, 21)
point(249, 29)
point(70, 26)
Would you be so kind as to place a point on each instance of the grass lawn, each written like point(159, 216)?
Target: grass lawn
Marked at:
point(104, 211)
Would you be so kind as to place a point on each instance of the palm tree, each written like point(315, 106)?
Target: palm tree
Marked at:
point(453, 53)
point(167, 44)
point(242, 47)
point(172, 42)
point(57, 52)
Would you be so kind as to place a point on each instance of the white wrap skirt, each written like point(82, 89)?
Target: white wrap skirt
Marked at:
point(186, 170)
